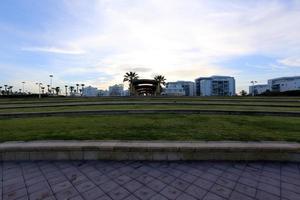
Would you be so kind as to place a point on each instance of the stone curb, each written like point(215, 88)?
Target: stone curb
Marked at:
point(167, 111)
point(149, 150)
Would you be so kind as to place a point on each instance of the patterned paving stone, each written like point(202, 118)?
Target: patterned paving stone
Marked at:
point(136, 180)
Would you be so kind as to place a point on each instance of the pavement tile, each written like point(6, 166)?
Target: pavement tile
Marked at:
point(262, 195)
point(61, 186)
point(269, 188)
point(247, 181)
point(188, 177)
point(166, 178)
point(85, 186)
point(212, 196)
point(185, 197)
point(15, 194)
point(239, 196)
point(156, 185)
point(118, 193)
point(245, 189)
point(196, 191)
point(42, 193)
point(221, 190)
point(158, 197)
point(91, 180)
point(288, 194)
point(131, 197)
point(226, 183)
point(204, 183)
point(180, 184)
point(144, 178)
point(66, 193)
point(170, 192)
point(92, 194)
point(144, 193)
point(132, 185)
point(108, 186)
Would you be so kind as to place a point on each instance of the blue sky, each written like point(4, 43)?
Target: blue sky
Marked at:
point(95, 42)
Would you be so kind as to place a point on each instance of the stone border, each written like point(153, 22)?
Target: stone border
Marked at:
point(160, 111)
point(150, 150)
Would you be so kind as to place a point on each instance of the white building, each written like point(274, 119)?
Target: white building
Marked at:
point(90, 91)
point(215, 86)
point(258, 89)
point(180, 88)
point(284, 84)
point(116, 90)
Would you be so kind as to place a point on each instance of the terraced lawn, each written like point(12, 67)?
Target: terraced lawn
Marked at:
point(152, 127)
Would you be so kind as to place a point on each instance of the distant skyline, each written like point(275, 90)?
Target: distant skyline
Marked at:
point(95, 42)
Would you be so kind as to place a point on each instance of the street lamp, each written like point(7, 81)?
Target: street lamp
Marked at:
point(51, 76)
point(23, 83)
point(39, 85)
point(253, 83)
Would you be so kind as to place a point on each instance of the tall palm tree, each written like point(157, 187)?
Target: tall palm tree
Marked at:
point(5, 89)
point(82, 87)
point(160, 80)
point(77, 85)
point(66, 90)
point(71, 89)
point(129, 77)
point(10, 89)
point(49, 91)
point(43, 90)
point(57, 90)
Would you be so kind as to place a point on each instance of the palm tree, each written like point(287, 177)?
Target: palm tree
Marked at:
point(5, 89)
point(66, 90)
point(77, 85)
point(71, 89)
point(82, 87)
point(48, 86)
point(57, 90)
point(43, 90)
point(160, 80)
point(243, 93)
point(129, 77)
point(10, 89)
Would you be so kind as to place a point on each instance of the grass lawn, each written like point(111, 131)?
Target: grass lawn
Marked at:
point(152, 127)
point(150, 107)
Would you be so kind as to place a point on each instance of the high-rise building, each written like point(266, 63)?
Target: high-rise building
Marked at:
point(116, 90)
point(284, 84)
point(180, 88)
point(258, 89)
point(215, 86)
point(90, 91)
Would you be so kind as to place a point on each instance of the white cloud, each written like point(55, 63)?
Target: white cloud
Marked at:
point(179, 39)
point(74, 51)
point(291, 62)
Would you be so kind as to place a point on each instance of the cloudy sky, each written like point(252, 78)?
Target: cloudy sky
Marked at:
point(96, 41)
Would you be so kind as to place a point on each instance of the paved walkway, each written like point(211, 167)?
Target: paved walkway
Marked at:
point(133, 180)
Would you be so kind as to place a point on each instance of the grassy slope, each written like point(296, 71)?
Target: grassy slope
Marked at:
point(147, 107)
point(152, 127)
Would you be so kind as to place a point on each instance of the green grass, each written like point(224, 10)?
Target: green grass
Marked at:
point(168, 99)
point(152, 127)
point(150, 107)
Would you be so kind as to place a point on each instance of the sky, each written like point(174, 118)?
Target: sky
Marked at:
point(96, 41)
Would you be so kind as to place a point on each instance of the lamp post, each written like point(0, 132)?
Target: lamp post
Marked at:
point(253, 83)
point(39, 85)
point(51, 76)
point(23, 83)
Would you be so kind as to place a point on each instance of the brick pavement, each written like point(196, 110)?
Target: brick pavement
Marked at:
point(133, 180)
